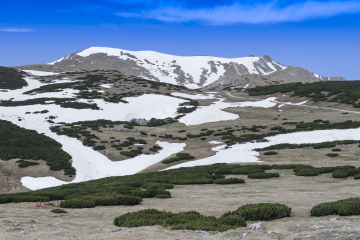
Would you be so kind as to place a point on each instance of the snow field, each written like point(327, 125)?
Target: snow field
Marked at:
point(244, 153)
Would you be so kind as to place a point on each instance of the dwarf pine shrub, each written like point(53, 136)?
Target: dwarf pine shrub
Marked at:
point(263, 175)
point(261, 211)
point(58, 210)
point(178, 221)
point(344, 207)
point(340, 174)
point(229, 181)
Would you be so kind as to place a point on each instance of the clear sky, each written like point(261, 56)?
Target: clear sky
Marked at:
point(322, 36)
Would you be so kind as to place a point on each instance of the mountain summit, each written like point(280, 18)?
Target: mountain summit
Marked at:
point(190, 71)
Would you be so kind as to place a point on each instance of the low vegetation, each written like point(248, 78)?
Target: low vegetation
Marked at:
point(344, 207)
point(17, 142)
point(347, 92)
point(11, 78)
point(196, 221)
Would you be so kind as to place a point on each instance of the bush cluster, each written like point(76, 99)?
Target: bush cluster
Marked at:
point(229, 181)
point(270, 153)
point(179, 157)
point(179, 221)
point(344, 207)
point(263, 175)
point(337, 172)
point(261, 211)
point(58, 210)
point(17, 142)
point(347, 92)
point(11, 78)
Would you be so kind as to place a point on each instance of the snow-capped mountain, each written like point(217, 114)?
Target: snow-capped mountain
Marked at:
point(191, 71)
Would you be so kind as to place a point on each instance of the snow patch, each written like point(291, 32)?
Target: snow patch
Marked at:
point(244, 153)
point(214, 113)
point(40, 73)
point(189, 96)
point(92, 165)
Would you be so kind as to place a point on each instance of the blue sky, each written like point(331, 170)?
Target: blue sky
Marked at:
point(322, 36)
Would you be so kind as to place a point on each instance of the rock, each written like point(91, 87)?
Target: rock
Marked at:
point(255, 226)
point(23, 231)
point(34, 220)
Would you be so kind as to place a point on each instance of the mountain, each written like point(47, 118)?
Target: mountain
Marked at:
point(192, 71)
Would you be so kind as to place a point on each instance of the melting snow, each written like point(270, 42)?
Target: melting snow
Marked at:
point(90, 164)
point(40, 73)
point(242, 153)
point(189, 96)
point(214, 113)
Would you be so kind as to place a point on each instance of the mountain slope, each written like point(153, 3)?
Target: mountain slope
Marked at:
point(192, 71)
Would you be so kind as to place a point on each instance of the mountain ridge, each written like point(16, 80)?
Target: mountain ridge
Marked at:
point(190, 71)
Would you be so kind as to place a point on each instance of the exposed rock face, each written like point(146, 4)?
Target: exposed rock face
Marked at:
point(192, 72)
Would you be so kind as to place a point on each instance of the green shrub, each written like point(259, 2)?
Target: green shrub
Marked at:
point(162, 186)
point(340, 174)
point(17, 142)
point(261, 211)
point(324, 145)
point(357, 176)
point(129, 154)
point(58, 210)
point(11, 78)
point(163, 196)
point(270, 153)
point(179, 221)
point(344, 207)
point(229, 181)
point(332, 154)
point(246, 170)
point(24, 164)
point(308, 172)
point(263, 175)
point(74, 203)
point(336, 150)
point(179, 157)
point(233, 220)
point(100, 147)
point(9, 198)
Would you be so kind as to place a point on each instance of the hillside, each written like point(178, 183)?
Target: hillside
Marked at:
point(132, 137)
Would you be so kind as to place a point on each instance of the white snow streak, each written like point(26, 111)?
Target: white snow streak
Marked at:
point(197, 96)
point(40, 73)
